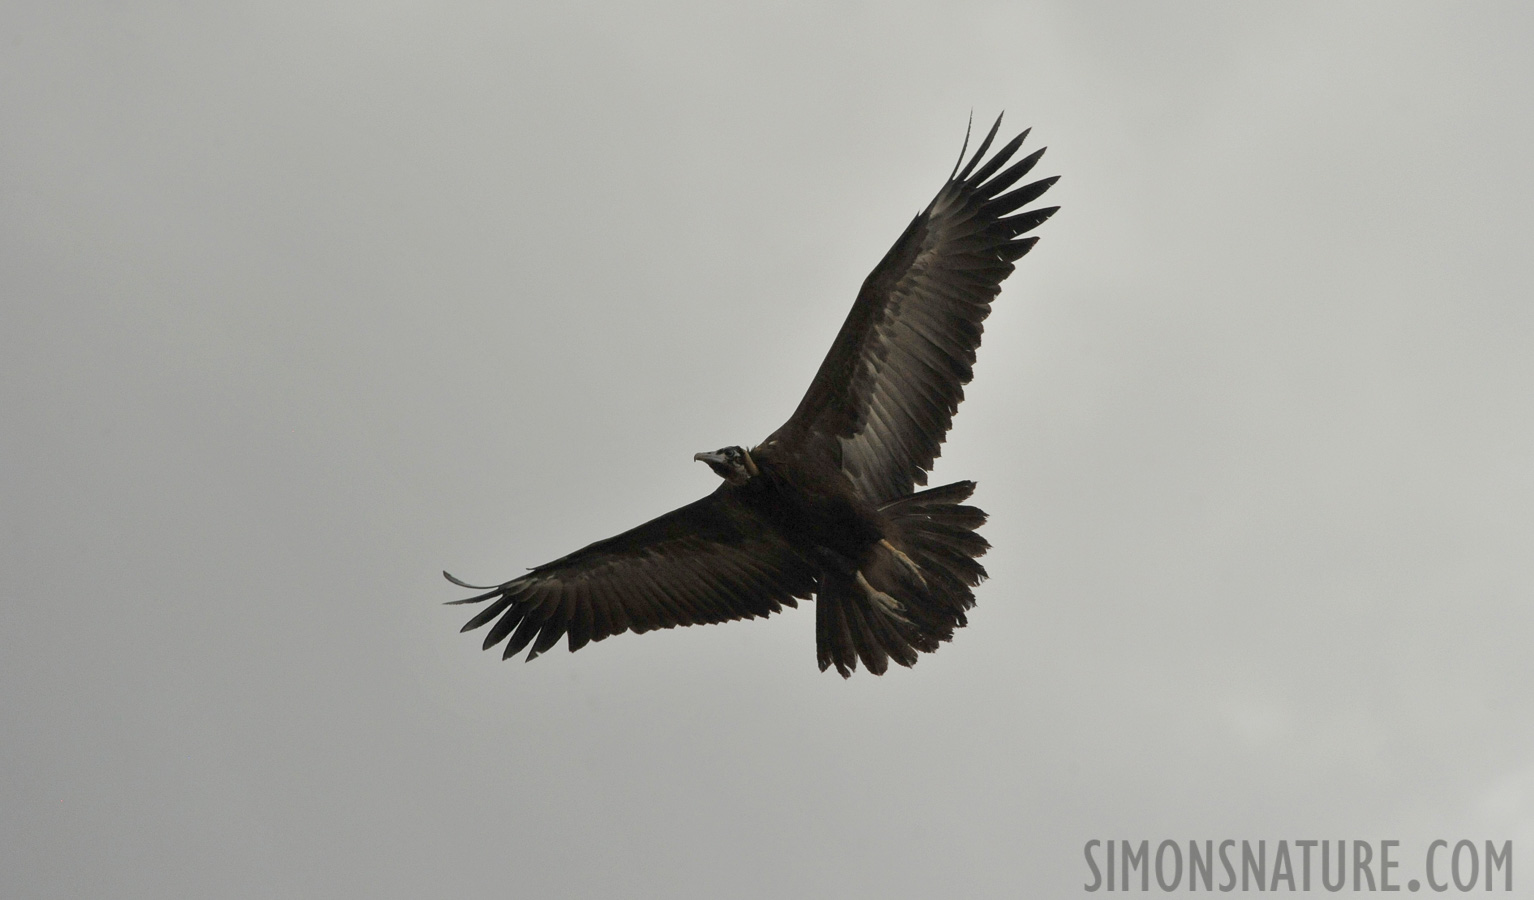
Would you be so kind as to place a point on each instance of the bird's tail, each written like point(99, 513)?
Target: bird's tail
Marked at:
point(912, 592)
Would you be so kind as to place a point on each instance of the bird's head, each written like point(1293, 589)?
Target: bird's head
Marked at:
point(733, 464)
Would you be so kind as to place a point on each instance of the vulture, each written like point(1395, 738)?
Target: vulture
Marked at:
point(826, 506)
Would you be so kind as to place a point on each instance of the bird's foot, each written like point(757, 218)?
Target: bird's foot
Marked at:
point(890, 604)
point(909, 564)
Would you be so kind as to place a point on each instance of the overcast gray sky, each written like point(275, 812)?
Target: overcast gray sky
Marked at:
point(301, 303)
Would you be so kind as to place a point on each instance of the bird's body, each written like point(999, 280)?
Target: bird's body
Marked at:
point(813, 505)
point(825, 505)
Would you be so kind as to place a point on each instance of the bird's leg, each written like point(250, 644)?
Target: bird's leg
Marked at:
point(890, 604)
point(915, 569)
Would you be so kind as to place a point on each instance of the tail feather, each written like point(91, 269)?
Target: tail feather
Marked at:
point(865, 622)
point(931, 530)
point(833, 633)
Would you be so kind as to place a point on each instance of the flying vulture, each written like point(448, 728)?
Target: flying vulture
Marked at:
point(826, 506)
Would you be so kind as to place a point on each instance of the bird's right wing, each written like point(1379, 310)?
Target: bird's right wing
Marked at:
point(710, 561)
point(884, 397)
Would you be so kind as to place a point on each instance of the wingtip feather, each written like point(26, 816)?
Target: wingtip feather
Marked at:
point(980, 151)
point(464, 584)
point(963, 149)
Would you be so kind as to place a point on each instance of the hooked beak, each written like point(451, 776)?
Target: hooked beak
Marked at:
point(710, 458)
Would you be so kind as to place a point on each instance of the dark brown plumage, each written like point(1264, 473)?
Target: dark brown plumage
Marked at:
point(824, 506)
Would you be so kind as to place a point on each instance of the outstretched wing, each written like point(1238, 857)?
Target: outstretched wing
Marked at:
point(885, 395)
point(710, 561)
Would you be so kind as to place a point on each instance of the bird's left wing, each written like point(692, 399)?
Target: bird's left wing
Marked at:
point(883, 399)
point(709, 561)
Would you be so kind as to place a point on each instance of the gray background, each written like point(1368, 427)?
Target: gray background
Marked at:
point(303, 302)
